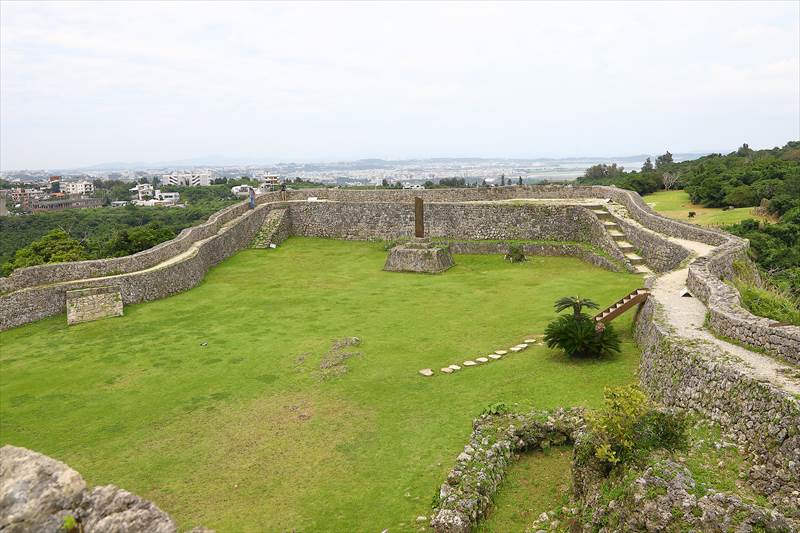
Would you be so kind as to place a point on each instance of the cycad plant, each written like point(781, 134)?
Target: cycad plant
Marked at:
point(577, 334)
point(576, 303)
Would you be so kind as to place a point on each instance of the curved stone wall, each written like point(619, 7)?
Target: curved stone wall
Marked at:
point(60, 272)
point(698, 377)
point(34, 303)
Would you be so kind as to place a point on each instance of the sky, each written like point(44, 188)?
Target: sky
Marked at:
point(89, 83)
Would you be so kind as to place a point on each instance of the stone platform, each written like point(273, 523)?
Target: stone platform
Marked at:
point(419, 255)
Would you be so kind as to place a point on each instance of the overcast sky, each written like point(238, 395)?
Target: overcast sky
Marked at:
point(86, 83)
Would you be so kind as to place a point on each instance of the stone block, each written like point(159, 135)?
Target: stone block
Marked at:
point(419, 255)
point(85, 305)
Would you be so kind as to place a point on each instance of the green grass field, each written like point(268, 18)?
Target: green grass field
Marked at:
point(676, 204)
point(242, 434)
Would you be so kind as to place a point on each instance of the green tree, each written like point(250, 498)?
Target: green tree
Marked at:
point(54, 247)
point(648, 165)
point(663, 160)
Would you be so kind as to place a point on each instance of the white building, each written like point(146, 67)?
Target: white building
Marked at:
point(77, 187)
point(143, 191)
point(241, 190)
point(188, 179)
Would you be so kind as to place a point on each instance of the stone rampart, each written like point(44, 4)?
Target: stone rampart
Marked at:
point(377, 214)
point(34, 303)
point(692, 375)
point(59, 272)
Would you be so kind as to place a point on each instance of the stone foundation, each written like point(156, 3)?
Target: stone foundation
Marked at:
point(419, 255)
point(85, 305)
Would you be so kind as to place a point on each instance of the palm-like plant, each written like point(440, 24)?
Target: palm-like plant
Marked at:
point(576, 303)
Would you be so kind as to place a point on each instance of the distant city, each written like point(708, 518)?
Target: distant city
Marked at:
point(349, 173)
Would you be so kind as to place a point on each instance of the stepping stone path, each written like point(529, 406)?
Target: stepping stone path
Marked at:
point(497, 355)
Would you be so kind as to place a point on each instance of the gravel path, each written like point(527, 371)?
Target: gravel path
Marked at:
point(687, 316)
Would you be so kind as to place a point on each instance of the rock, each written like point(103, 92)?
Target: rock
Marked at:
point(500, 352)
point(470, 363)
point(451, 521)
point(421, 518)
point(530, 341)
point(516, 349)
point(427, 372)
point(36, 491)
point(109, 508)
point(447, 370)
point(455, 367)
point(482, 360)
point(495, 356)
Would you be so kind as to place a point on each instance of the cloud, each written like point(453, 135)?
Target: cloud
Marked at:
point(82, 83)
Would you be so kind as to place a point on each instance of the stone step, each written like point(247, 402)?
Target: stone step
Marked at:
point(616, 234)
point(625, 246)
point(641, 269)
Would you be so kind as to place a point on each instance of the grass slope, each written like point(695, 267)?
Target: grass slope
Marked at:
point(241, 435)
point(677, 204)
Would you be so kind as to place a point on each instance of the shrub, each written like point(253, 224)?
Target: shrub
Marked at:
point(692, 214)
point(515, 254)
point(580, 336)
point(627, 426)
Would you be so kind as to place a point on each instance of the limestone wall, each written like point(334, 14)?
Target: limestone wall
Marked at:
point(582, 252)
point(695, 376)
point(58, 272)
point(34, 303)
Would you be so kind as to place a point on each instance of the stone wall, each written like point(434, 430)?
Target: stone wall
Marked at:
point(692, 375)
point(59, 272)
point(583, 252)
point(34, 303)
point(84, 305)
point(659, 253)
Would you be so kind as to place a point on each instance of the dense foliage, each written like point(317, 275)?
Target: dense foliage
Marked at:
point(101, 232)
point(628, 426)
point(577, 334)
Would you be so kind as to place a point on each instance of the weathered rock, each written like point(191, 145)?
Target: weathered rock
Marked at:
point(470, 363)
point(455, 367)
point(482, 360)
point(495, 356)
point(35, 491)
point(111, 509)
point(447, 370)
point(501, 352)
point(427, 372)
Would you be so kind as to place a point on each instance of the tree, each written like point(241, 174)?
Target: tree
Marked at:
point(54, 247)
point(520, 181)
point(502, 179)
point(580, 336)
point(576, 303)
point(668, 179)
point(648, 165)
point(384, 183)
point(663, 160)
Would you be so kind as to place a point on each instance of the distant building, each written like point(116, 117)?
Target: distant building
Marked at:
point(148, 197)
point(241, 190)
point(55, 184)
point(143, 191)
point(78, 187)
point(188, 179)
point(64, 202)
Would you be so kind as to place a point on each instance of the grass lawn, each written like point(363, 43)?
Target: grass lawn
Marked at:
point(676, 204)
point(242, 435)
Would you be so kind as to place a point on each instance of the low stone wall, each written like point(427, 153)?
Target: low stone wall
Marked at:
point(581, 251)
point(28, 305)
point(467, 494)
point(84, 305)
point(691, 375)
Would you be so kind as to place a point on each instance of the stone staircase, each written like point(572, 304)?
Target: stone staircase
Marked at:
point(620, 239)
point(273, 230)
